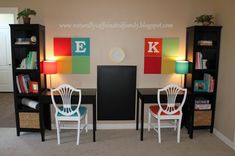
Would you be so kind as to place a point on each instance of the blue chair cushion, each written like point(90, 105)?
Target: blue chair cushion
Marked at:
point(82, 111)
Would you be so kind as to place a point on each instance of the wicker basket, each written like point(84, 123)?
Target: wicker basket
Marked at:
point(202, 118)
point(29, 120)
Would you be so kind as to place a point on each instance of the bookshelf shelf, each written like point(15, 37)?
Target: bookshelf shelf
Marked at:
point(26, 109)
point(202, 79)
point(27, 94)
point(28, 57)
point(25, 45)
point(214, 47)
point(203, 94)
point(205, 70)
point(196, 110)
point(25, 71)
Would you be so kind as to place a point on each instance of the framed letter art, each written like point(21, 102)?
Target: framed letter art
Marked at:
point(33, 87)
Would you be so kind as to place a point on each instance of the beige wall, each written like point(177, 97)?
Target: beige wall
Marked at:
point(225, 116)
point(52, 13)
point(180, 14)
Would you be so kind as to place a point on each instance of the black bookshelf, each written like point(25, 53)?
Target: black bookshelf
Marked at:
point(202, 44)
point(26, 38)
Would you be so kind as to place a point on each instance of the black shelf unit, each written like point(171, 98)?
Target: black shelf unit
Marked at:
point(28, 119)
point(203, 118)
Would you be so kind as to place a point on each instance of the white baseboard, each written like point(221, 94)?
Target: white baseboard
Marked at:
point(104, 126)
point(224, 139)
point(112, 126)
point(116, 126)
point(89, 126)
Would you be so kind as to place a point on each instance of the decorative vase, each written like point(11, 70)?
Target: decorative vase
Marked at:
point(206, 23)
point(26, 20)
point(204, 63)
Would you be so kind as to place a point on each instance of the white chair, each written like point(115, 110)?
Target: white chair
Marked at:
point(167, 111)
point(68, 111)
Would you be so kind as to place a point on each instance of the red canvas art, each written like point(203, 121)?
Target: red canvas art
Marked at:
point(153, 47)
point(62, 47)
point(152, 65)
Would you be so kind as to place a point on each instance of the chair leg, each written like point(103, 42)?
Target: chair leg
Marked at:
point(58, 131)
point(59, 125)
point(86, 122)
point(159, 130)
point(149, 120)
point(178, 130)
point(78, 132)
point(175, 125)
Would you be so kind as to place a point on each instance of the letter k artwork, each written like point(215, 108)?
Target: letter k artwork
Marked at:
point(153, 47)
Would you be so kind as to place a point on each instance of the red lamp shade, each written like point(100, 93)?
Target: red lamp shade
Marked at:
point(49, 67)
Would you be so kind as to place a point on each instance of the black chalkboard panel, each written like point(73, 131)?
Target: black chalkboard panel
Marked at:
point(116, 90)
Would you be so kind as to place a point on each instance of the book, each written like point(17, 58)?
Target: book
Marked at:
point(27, 79)
point(25, 84)
point(212, 85)
point(201, 101)
point(29, 56)
point(21, 83)
point(18, 85)
point(22, 42)
point(205, 43)
point(210, 80)
point(202, 106)
point(34, 60)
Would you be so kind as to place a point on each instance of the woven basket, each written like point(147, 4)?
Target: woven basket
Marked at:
point(202, 118)
point(29, 120)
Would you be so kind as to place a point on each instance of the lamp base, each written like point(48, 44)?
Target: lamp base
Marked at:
point(181, 81)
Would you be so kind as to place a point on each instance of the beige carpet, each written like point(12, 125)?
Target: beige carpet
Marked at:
point(111, 143)
point(7, 110)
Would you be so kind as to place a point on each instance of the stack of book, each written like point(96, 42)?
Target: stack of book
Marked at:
point(202, 104)
point(22, 82)
point(22, 41)
point(205, 43)
point(211, 82)
point(30, 62)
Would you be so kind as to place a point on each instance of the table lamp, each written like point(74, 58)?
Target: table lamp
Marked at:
point(49, 67)
point(181, 67)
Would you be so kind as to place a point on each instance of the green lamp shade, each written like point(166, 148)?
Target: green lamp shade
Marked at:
point(181, 67)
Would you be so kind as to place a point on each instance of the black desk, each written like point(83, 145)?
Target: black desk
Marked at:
point(147, 96)
point(88, 97)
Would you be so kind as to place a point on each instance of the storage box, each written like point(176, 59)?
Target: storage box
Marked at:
point(202, 118)
point(29, 120)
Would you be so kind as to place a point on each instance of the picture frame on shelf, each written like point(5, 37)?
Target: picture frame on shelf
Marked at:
point(200, 86)
point(33, 87)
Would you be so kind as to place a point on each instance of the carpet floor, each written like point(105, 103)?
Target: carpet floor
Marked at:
point(7, 110)
point(111, 143)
